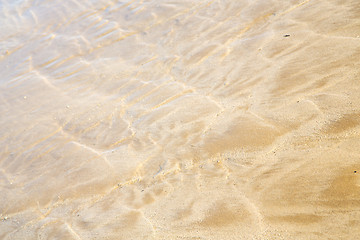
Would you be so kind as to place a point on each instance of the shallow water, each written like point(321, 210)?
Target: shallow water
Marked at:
point(179, 119)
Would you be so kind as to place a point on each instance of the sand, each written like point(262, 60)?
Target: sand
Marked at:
point(180, 119)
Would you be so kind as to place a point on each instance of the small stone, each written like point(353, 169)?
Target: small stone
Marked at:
point(355, 171)
point(25, 97)
point(5, 218)
point(286, 35)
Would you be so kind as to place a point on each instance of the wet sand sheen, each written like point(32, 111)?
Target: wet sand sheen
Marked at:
point(179, 120)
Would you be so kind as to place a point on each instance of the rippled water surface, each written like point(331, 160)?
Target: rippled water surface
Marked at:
point(179, 119)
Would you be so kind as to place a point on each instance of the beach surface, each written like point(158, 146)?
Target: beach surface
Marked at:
point(183, 119)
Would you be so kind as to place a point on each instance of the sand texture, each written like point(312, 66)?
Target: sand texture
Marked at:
point(164, 119)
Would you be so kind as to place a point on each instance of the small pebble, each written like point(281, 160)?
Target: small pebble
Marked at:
point(286, 35)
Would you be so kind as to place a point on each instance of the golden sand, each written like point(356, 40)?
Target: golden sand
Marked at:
point(180, 119)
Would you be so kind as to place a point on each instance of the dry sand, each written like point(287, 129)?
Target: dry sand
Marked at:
point(180, 119)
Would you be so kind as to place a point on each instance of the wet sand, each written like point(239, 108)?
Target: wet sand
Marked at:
point(180, 119)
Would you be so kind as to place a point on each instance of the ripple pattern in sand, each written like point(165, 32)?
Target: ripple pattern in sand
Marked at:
point(179, 120)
